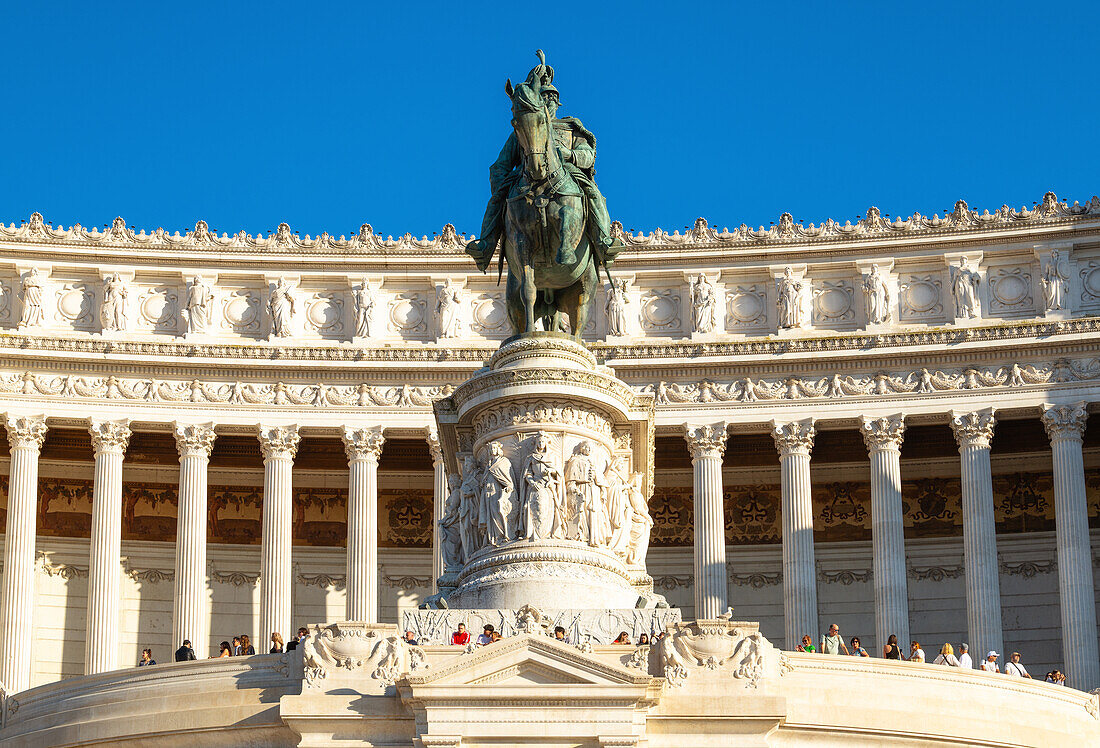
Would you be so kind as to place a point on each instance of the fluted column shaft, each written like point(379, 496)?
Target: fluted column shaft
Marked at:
point(363, 447)
point(794, 442)
point(439, 498)
point(974, 432)
point(190, 618)
point(1065, 425)
point(25, 437)
point(109, 440)
point(883, 437)
point(279, 445)
point(708, 444)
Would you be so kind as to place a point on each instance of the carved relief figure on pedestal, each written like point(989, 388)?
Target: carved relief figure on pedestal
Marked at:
point(112, 315)
point(499, 508)
point(447, 307)
point(199, 298)
point(964, 285)
point(469, 508)
point(32, 300)
point(704, 302)
point(619, 512)
point(281, 306)
point(1055, 282)
point(541, 491)
point(617, 300)
point(790, 300)
point(364, 311)
point(584, 486)
point(450, 526)
point(640, 521)
point(877, 295)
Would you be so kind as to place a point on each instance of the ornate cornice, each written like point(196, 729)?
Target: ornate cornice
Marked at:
point(973, 429)
point(706, 440)
point(194, 439)
point(796, 437)
point(363, 443)
point(1065, 422)
point(25, 432)
point(883, 433)
point(1046, 331)
point(110, 437)
point(279, 442)
point(365, 242)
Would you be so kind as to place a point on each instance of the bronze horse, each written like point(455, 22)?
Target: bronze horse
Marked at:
point(552, 268)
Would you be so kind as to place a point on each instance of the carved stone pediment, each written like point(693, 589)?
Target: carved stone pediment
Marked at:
point(530, 688)
point(524, 661)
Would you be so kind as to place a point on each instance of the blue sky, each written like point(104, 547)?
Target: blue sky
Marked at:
point(327, 115)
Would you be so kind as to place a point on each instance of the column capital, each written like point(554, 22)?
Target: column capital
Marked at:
point(279, 441)
point(1065, 422)
point(194, 439)
point(363, 443)
point(883, 433)
point(431, 435)
point(110, 436)
point(707, 440)
point(28, 432)
point(796, 437)
point(973, 429)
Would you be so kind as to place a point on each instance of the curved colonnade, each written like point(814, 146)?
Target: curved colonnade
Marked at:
point(967, 325)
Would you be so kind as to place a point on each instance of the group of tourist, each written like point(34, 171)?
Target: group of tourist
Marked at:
point(833, 643)
point(241, 647)
point(489, 634)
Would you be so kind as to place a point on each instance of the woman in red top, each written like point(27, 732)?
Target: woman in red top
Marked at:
point(462, 636)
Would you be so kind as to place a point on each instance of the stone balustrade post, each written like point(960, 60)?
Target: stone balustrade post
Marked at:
point(707, 444)
point(974, 432)
point(363, 447)
point(883, 437)
point(794, 441)
point(279, 445)
point(1065, 425)
point(439, 499)
point(25, 437)
point(190, 617)
point(109, 440)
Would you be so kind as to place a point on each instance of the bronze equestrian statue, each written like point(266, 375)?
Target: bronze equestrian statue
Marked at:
point(547, 210)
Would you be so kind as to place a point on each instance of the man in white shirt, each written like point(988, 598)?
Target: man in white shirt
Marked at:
point(1015, 668)
point(486, 636)
point(990, 664)
point(964, 657)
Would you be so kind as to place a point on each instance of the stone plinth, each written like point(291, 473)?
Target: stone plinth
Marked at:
point(554, 459)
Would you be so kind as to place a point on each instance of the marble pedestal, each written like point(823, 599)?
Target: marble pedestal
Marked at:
point(555, 459)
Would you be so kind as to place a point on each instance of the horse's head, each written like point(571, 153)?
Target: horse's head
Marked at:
point(531, 121)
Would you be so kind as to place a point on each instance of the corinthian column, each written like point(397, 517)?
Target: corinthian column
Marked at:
point(189, 615)
point(1065, 426)
point(363, 447)
point(439, 498)
point(707, 445)
point(279, 445)
point(794, 442)
point(883, 437)
point(25, 437)
point(109, 439)
point(973, 432)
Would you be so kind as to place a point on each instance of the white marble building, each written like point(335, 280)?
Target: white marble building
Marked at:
point(881, 423)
